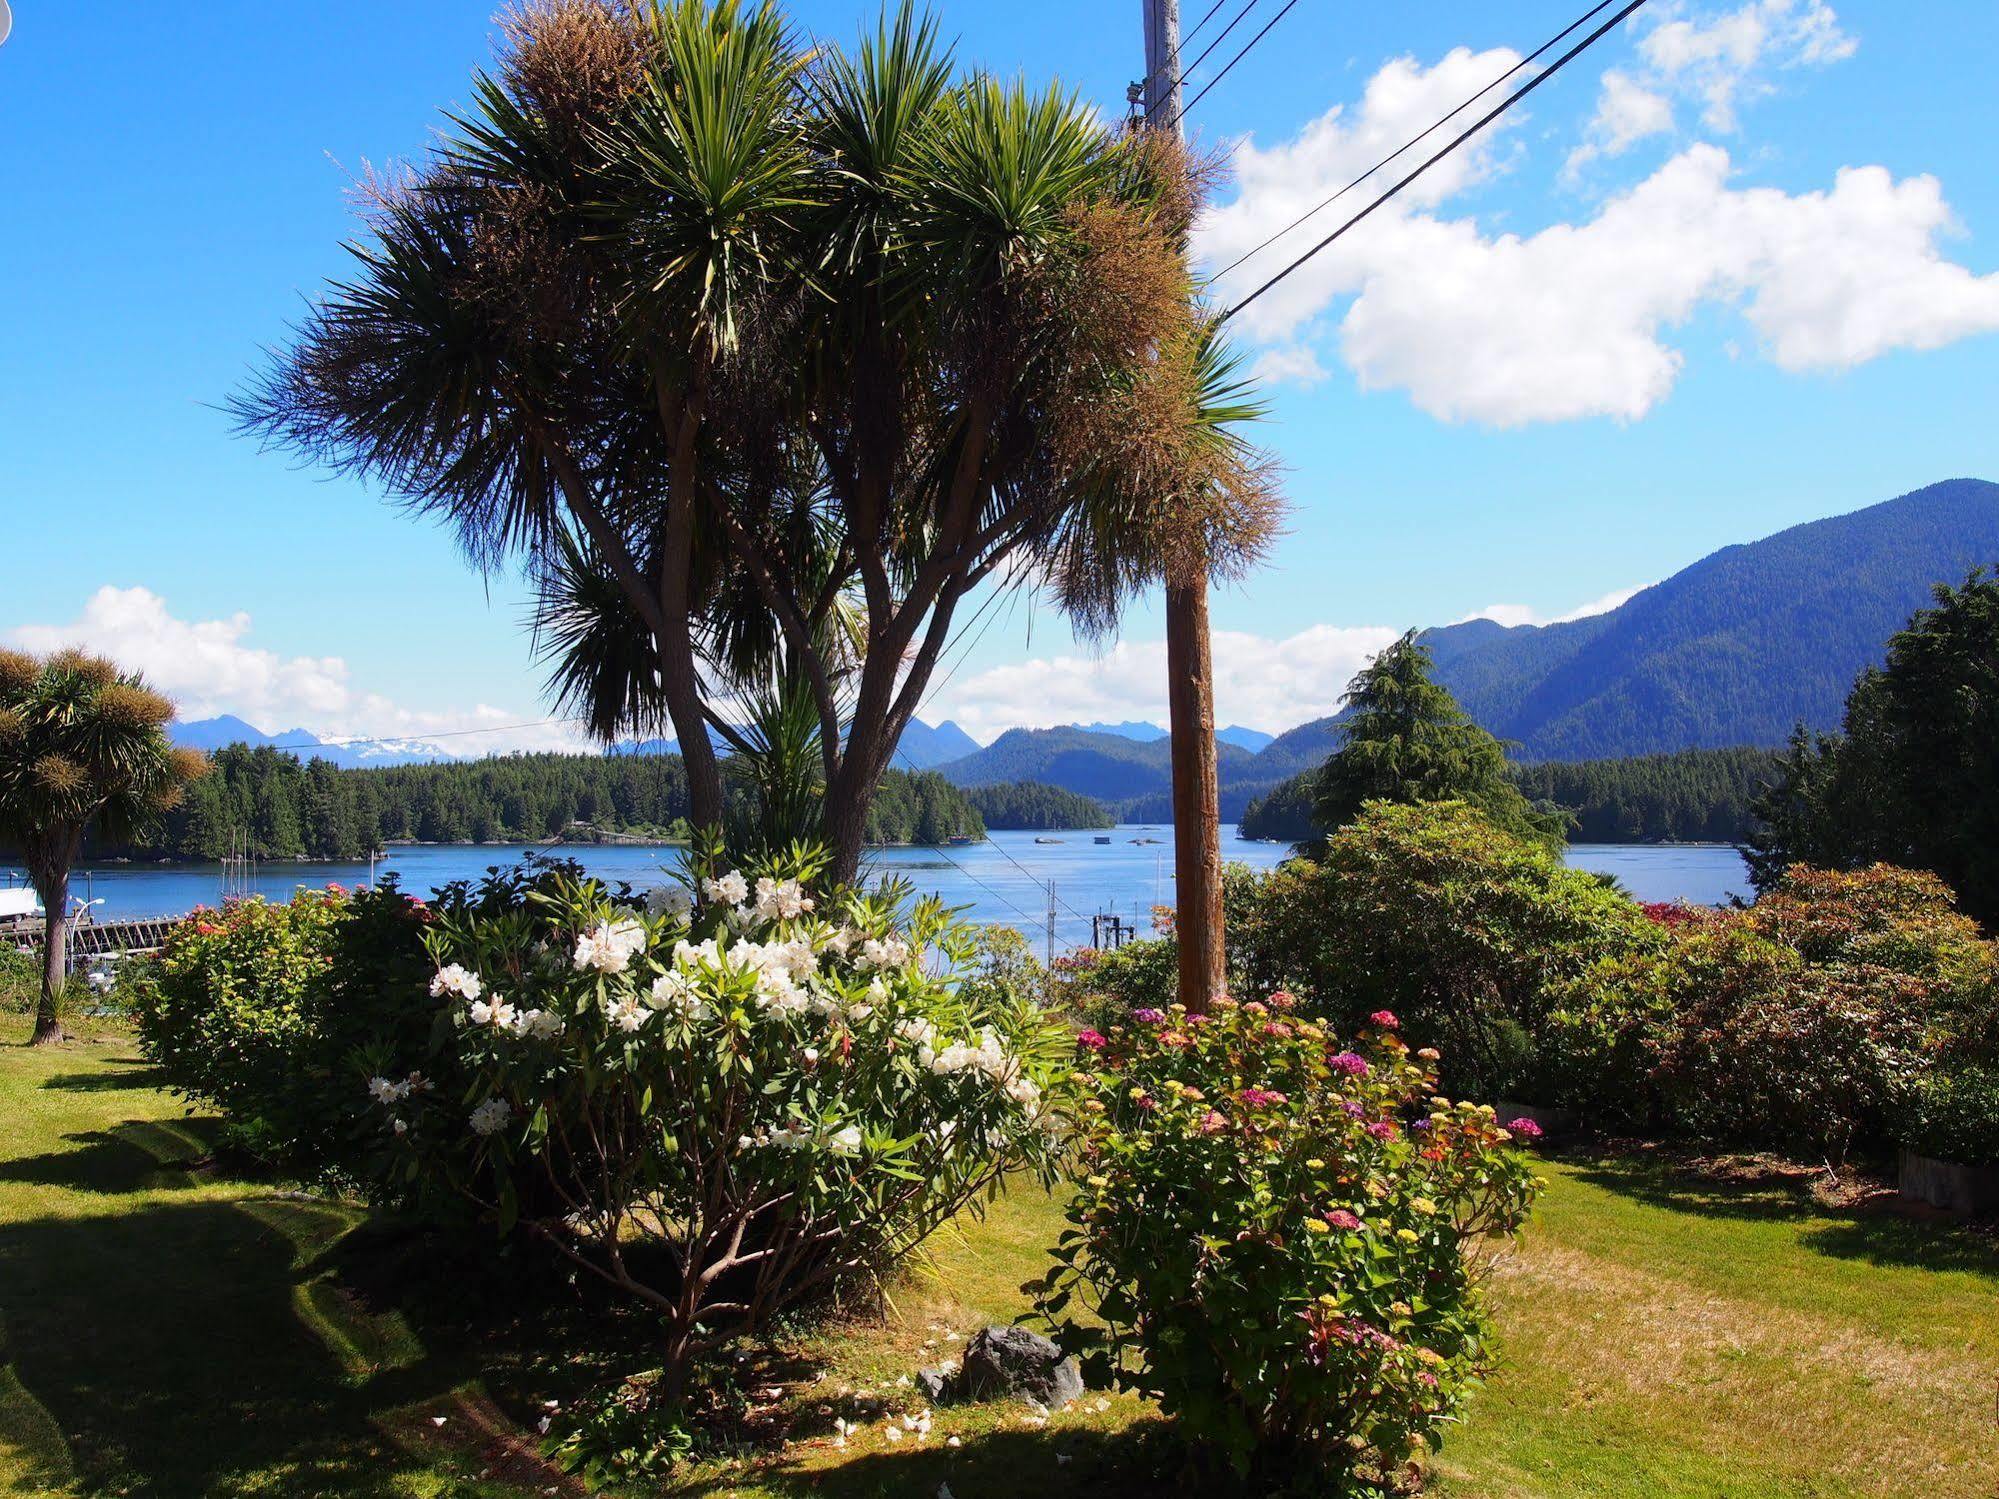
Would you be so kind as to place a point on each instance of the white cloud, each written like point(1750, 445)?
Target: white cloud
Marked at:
point(1280, 185)
point(1627, 112)
point(1715, 60)
point(1260, 682)
point(1297, 363)
point(1526, 614)
point(1572, 321)
point(208, 668)
point(1720, 58)
point(1576, 319)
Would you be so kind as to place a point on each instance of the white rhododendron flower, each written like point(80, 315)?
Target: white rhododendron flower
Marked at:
point(669, 900)
point(922, 1035)
point(453, 979)
point(610, 948)
point(491, 1115)
point(677, 993)
point(496, 1012)
point(400, 1126)
point(781, 900)
point(884, 952)
point(846, 1142)
point(791, 1135)
point(539, 1024)
point(626, 1013)
point(991, 1058)
point(697, 954)
point(730, 889)
point(385, 1092)
point(839, 939)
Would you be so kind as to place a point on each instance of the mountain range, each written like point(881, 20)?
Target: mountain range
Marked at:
point(922, 746)
point(225, 729)
point(1732, 650)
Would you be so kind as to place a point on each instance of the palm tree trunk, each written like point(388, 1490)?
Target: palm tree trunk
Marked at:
point(1197, 834)
point(54, 892)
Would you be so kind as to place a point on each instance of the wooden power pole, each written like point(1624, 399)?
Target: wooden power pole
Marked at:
point(1190, 667)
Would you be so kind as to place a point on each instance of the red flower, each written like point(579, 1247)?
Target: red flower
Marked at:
point(1385, 1019)
point(1091, 1040)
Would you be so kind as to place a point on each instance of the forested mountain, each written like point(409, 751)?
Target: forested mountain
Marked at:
point(924, 748)
point(1108, 767)
point(285, 808)
point(1691, 796)
point(1731, 651)
point(1028, 804)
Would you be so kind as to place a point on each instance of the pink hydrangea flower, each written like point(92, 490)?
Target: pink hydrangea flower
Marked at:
point(1257, 1098)
point(1091, 1040)
point(1525, 1129)
point(1213, 1123)
point(1341, 1218)
point(1385, 1019)
point(1382, 1129)
point(1148, 1017)
point(1281, 1000)
point(1346, 1062)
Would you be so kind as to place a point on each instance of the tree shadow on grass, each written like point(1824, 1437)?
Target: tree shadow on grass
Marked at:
point(1137, 1460)
point(189, 1348)
point(137, 1156)
point(131, 1073)
point(1881, 1229)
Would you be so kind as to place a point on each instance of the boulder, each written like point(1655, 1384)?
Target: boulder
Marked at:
point(1011, 1363)
point(935, 1385)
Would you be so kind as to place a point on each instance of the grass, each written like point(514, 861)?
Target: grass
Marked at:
point(168, 1330)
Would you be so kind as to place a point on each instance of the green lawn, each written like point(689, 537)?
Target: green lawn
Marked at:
point(169, 1331)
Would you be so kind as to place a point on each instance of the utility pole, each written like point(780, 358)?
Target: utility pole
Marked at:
point(1051, 923)
point(1190, 667)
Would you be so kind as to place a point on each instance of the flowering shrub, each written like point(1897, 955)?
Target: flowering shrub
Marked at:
point(1099, 985)
point(1465, 930)
point(275, 1012)
point(725, 1103)
point(1762, 1046)
point(230, 1011)
point(1281, 1237)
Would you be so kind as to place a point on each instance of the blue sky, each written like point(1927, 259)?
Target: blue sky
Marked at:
point(1749, 279)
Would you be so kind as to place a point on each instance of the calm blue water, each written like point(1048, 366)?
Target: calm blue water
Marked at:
point(1003, 880)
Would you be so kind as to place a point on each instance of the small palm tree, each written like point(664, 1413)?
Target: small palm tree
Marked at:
point(82, 744)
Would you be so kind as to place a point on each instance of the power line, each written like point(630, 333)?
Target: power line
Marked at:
point(1000, 849)
point(1505, 104)
point(1207, 18)
point(1241, 16)
point(1311, 213)
point(1239, 56)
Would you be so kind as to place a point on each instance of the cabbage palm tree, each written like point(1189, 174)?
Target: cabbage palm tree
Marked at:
point(82, 745)
point(743, 317)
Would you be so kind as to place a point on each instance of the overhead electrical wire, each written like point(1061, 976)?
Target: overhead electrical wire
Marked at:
point(1239, 56)
point(1223, 36)
point(1486, 119)
point(1204, 21)
point(1409, 144)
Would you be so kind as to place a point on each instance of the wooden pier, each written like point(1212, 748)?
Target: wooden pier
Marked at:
point(96, 939)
